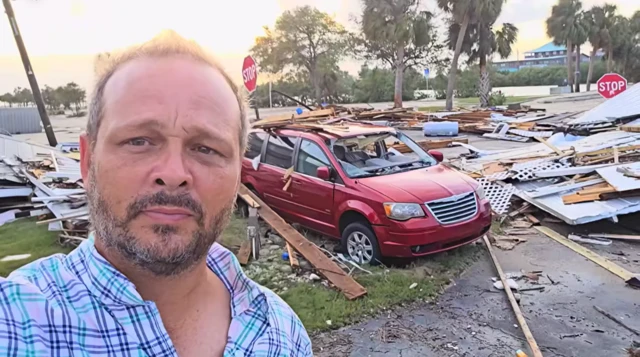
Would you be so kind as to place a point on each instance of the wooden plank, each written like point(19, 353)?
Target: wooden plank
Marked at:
point(325, 266)
point(288, 173)
point(552, 147)
point(533, 345)
point(244, 252)
point(286, 185)
point(293, 260)
point(294, 117)
point(629, 237)
point(249, 201)
point(608, 151)
point(532, 218)
point(576, 198)
point(621, 272)
point(429, 144)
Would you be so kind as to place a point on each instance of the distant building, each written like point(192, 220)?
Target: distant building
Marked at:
point(547, 55)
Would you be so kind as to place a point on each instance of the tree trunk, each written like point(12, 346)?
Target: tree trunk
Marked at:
point(397, 95)
point(592, 58)
point(454, 62)
point(577, 71)
point(569, 64)
point(484, 83)
point(315, 81)
point(609, 59)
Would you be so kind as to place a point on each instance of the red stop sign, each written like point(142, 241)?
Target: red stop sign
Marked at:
point(611, 84)
point(249, 73)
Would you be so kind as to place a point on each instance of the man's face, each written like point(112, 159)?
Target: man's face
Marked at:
point(162, 174)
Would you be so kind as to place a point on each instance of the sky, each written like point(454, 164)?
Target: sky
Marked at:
point(62, 36)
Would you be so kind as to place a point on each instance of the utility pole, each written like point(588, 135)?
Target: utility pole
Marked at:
point(37, 96)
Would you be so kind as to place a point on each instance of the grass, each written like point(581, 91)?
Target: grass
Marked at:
point(431, 109)
point(386, 288)
point(24, 236)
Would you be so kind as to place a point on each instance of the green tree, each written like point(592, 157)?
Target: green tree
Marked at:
point(481, 42)
point(565, 26)
point(303, 39)
point(23, 96)
point(599, 20)
point(50, 98)
point(8, 98)
point(400, 34)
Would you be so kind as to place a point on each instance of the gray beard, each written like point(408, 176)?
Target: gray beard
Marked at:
point(161, 258)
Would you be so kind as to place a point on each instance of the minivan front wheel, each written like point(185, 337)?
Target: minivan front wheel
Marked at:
point(361, 244)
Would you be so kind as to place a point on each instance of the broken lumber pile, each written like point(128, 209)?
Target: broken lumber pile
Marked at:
point(325, 266)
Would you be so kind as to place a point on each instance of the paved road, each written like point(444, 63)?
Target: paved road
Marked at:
point(470, 320)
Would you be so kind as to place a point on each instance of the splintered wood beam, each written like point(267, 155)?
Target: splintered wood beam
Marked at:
point(533, 345)
point(293, 260)
point(325, 266)
point(244, 252)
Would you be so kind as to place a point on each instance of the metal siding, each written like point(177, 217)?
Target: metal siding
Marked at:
point(20, 120)
point(624, 104)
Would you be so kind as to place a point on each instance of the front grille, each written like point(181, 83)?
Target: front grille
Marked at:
point(454, 209)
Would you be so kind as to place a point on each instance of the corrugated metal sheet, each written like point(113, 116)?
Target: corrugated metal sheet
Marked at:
point(11, 147)
point(624, 104)
point(578, 213)
point(20, 120)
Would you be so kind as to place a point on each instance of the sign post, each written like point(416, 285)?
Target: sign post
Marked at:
point(250, 79)
point(426, 75)
point(611, 84)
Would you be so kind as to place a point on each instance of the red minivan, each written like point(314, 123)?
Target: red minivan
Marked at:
point(348, 183)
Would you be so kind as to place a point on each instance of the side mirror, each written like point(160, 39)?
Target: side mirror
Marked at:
point(436, 155)
point(323, 173)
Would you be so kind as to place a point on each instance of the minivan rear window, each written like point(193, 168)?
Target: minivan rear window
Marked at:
point(280, 151)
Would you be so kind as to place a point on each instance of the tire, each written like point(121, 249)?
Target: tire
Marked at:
point(361, 244)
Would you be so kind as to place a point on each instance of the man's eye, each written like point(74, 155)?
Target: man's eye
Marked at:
point(204, 150)
point(138, 142)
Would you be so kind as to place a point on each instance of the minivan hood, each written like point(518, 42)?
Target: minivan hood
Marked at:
point(421, 185)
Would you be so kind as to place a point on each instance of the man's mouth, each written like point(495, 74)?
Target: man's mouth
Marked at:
point(167, 215)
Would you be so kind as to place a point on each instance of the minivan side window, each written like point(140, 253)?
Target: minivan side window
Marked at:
point(280, 151)
point(254, 145)
point(310, 157)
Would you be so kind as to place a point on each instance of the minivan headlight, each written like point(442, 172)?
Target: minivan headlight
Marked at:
point(403, 211)
point(480, 193)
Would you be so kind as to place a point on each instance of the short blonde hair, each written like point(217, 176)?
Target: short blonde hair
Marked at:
point(166, 44)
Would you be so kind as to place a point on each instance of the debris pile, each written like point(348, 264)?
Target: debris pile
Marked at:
point(39, 181)
point(578, 179)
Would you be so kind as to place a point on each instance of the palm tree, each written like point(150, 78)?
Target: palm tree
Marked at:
point(563, 25)
point(599, 20)
point(481, 41)
point(461, 12)
point(580, 37)
point(397, 31)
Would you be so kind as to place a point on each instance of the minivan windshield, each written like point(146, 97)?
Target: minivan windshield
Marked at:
point(379, 154)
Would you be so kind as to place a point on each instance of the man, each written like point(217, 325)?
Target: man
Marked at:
point(161, 163)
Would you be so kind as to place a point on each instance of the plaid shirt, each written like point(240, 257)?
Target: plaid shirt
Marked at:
point(80, 305)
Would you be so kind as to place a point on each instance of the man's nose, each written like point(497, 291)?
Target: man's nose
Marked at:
point(172, 172)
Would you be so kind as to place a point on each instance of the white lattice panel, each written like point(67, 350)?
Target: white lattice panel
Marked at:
point(499, 196)
point(499, 176)
point(525, 171)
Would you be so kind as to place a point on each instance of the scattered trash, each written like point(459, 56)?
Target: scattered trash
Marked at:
point(512, 284)
point(600, 241)
point(314, 277)
point(11, 258)
point(328, 322)
point(570, 335)
point(413, 285)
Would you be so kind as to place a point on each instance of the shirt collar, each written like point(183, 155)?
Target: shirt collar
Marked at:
point(111, 287)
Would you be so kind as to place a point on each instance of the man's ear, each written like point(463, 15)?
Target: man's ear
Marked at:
point(85, 158)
